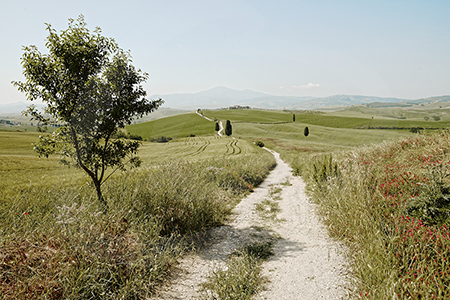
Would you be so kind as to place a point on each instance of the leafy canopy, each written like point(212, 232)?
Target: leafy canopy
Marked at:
point(91, 89)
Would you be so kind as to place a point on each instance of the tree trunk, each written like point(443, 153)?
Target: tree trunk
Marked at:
point(100, 196)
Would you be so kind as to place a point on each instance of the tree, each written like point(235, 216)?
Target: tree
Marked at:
point(293, 118)
point(306, 132)
point(436, 118)
point(228, 128)
point(217, 126)
point(91, 89)
point(415, 129)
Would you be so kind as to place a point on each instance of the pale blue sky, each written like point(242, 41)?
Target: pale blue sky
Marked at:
point(302, 48)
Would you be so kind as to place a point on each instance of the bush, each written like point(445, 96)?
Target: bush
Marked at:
point(161, 139)
point(41, 129)
point(260, 144)
point(416, 129)
point(242, 278)
point(120, 134)
point(134, 137)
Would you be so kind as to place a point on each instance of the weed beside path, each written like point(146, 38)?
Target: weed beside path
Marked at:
point(304, 259)
point(390, 204)
point(56, 244)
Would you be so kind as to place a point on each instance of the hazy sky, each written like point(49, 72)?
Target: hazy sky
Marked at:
point(302, 48)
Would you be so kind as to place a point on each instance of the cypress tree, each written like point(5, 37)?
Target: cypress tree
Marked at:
point(228, 128)
point(306, 132)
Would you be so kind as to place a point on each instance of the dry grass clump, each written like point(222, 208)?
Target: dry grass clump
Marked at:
point(242, 277)
point(56, 244)
point(390, 203)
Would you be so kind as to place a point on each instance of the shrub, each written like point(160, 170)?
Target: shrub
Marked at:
point(120, 134)
point(242, 278)
point(416, 129)
point(161, 139)
point(260, 144)
point(136, 137)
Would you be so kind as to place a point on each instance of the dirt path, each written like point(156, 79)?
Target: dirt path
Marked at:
point(220, 128)
point(219, 133)
point(306, 264)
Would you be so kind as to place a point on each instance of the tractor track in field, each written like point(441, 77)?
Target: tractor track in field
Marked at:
point(204, 143)
point(233, 148)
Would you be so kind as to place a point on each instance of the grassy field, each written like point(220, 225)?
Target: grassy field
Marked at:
point(55, 243)
point(175, 126)
point(184, 186)
point(389, 204)
point(350, 118)
point(20, 168)
point(325, 130)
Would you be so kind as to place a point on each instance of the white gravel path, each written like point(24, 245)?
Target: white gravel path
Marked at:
point(307, 264)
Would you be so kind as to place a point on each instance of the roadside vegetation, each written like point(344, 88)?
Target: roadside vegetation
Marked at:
point(387, 202)
point(390, 204)
point(242, 278)
point(56, 242)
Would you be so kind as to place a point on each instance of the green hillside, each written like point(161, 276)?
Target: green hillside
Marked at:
point(326, 128)
point(328, 132)
point(356, 117)
point(174, 126)
point(249, 115)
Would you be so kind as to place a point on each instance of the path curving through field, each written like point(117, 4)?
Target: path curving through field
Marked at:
point(219, 133)
point(307, 264)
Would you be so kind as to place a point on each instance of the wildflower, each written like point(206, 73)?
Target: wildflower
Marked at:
point(26, 213)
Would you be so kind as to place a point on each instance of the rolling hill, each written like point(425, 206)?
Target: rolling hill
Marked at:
point(221, 97)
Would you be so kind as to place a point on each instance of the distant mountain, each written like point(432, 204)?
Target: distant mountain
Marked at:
point(214, 98)
point(14, 108)
point(221, 97)
point(344, 100)
point(431, 100)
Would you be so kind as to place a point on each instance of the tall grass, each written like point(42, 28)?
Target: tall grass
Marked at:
point(242, 277)
point(390, 204)
point(55, 243)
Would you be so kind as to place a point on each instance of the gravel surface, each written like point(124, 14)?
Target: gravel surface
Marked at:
point(307, 264)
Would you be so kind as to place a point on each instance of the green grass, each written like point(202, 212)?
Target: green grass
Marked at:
point(269, 207)
point(196, 149)
point(281, 134)
point(328, 119)
point(49, 212)
point(249, 115)
point(175, 126)
point(20, 168)
point(242, 278)
point(389, 204)
point(55, 242)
